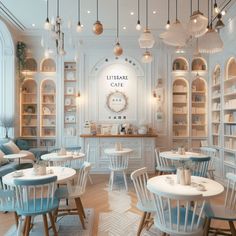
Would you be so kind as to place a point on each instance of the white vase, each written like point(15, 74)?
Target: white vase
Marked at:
point(180, 176)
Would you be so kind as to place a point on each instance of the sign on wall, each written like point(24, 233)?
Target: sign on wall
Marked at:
point(117, 93)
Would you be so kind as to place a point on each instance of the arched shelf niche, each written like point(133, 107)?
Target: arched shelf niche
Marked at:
point(180, 109)
point(48, 65)
point(199, 64)
point(230, 68)
point(199, 108)
point(30, 66)
point(29, 109)
point(180, 64)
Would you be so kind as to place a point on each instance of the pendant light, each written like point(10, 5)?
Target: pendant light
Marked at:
point(47, 25)
point(211, 41)
point(197, 25)
point(117, 48)
point(147, 57)
point(168, 20)
point(219, 24)
point(97, 26)
point(79, 27)
point(216, 9)
point(146, 40)
point(176, 35)
point(138, 26)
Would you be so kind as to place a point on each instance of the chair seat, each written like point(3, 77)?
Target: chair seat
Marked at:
point(36, 208)
point(182, 213)
point(147, 206)
point(219, 212)
point(72, 192)
point(169, 169)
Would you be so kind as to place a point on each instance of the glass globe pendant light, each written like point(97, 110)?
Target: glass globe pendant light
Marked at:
point(47, 25)
point(146, 40)
point(79, 27)
point(97, 26)
point(147, 57)
point(197, 25)
point(168, 21)
point(117, 48)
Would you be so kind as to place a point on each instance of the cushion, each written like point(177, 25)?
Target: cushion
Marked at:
point(11, 147)
point(30, 158)
point(22, 144)
point(3, 161)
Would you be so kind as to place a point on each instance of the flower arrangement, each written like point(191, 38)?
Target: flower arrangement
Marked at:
point(21, 56)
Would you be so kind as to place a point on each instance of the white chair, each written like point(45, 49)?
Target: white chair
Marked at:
point(163, 165)
point(145, 198)
point(224, 212)
point(65, 161)
point(211, 152)
point(74, 192)
point(87, 155)
point(118, 163)
point(200, 167)
point(179, 215)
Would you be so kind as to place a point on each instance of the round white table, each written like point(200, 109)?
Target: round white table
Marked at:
point(56, 157)
point(63, 174)
point(113, 151)
point(15, 156)
point(175, 156)
point(168, 184)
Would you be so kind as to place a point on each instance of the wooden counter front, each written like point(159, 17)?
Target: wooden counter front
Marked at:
point(119, 136)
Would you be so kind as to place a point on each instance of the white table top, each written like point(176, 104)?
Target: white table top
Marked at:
point(113, 151)
point(55, 157)
point(63, 174)
point(168, 184)
point(15, 156)
point(179, 157)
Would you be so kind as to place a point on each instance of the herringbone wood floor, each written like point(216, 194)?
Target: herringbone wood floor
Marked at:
point(95, 197)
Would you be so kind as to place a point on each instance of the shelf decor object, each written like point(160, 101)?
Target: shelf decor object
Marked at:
point(117, 102)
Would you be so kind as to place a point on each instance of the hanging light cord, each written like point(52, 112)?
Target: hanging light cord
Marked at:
point(176, 10)
point(191, 7)
point(146, 14)
point(168, 10)
point(211, 14)
point(47, 9)
point(58, 8)
point(117, 21)
point(97, 10)
point(138, 10)
point(78, 11)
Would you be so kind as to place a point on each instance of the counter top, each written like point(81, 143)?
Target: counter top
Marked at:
point(119, 136)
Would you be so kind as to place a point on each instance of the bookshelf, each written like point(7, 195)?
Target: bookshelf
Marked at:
point(216, 107)
point(70, 97)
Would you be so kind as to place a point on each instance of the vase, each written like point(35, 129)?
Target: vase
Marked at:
point(180, 176)
point(187, 176)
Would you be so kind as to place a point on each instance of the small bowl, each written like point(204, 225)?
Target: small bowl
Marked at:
point(17, 174)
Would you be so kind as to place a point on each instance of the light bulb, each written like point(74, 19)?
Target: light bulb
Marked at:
point(79, 27)
point(118, 49)
point(223, 13)
point(46, 53)
point(168, 24)
point(97, 28)
point(138, 26)
point(47, 24)
point(216, 9)
point(195, 21)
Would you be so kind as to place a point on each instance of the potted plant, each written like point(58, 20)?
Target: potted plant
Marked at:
point(7, 122)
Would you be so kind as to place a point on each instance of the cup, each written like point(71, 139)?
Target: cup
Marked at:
point(187, 176)
point(180, 176)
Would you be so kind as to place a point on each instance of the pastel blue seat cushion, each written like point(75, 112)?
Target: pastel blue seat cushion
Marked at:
point(36, 209)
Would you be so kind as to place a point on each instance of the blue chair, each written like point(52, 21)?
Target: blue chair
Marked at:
point(163, 166)
point(8, 202)
point(36, 197)
point(200, 166)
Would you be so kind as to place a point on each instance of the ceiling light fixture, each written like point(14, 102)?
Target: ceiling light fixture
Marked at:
point(216, 9)
point(176, 35)
point(168, 20)
point(147, 57)
point(146, 39)
point(197, 25)
point(223, 13)
point(131, 13)
point(138, 26)
point(47, 25)
point(117, 48)
point(219, 24)
point(97, 26)
point(211, 41)
point(79, 27)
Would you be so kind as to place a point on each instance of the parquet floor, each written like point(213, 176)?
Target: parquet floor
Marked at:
point(95, 197)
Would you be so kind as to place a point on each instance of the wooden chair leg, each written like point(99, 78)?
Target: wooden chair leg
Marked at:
point(53, 224)
point(55, 214)
point(207, 227)
point(27, 229)
point(80, 212)
point(141, 224)
point(82, 208)
point(24, 224)
point(45, 222)
point(16, 218)
point(232, 228)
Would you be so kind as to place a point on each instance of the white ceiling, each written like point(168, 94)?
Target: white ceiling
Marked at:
point(28, 12)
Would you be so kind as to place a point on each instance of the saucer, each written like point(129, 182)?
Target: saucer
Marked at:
point(18, 174)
